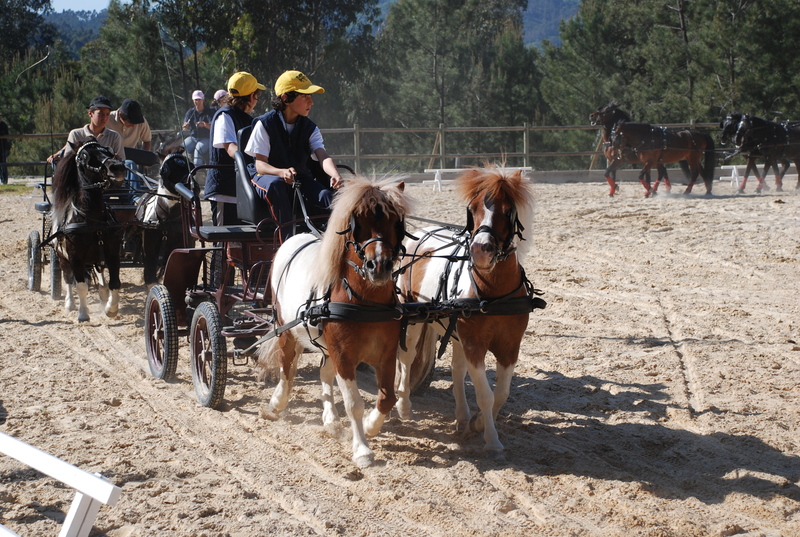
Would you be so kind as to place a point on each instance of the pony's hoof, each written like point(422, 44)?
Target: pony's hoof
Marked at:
point(779, 189)
point(83, 317)
point(268, 413)
point(404, 410)
point(494, 452)
point(364, 459)
point(758, 191)
point(112, 313)
point(740, 191)
point(329, 416)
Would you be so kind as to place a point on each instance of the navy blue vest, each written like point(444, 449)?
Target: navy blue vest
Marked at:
point(224, 181)
point(289, 150)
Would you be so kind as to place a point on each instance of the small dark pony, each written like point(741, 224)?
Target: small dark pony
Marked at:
point(775, 142)
point(654, 145)
point(349, 274)
point(88, 235)
point(609, 116)
point(159, 216)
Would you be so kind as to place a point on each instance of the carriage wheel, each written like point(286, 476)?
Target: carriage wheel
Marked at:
point(208, 355)
point(34, 262)
point(55, 274)
point(161, 333)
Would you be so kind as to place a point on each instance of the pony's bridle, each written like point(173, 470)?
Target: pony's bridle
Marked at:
point(83, 158)
point(360, 248)
point(503, 246)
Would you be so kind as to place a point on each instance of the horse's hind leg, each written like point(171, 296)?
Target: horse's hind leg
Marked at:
point(644, 178)
point(384, 373)
point(405, 360)
point(486, 403)
point(286, 350)
point(459, 373)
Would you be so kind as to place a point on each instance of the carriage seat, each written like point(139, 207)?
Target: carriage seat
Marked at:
point(249, 206)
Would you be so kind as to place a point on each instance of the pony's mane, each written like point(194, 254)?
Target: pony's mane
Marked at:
point(496, 182)
point(66, 186)
point(358, 196)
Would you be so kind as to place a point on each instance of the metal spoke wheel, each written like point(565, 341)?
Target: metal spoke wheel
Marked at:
point(34, 262)
point(161, 333)
point(55, 274)
point(208, 355)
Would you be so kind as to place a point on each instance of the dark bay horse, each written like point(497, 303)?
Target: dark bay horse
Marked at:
point(609, 116)
point(654, 145)
point(479, 267)
point(159, 216)
point(88, 235)
point(349, 272)
point(775, 142)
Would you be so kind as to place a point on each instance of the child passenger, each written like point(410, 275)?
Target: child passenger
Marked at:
point(282, 142)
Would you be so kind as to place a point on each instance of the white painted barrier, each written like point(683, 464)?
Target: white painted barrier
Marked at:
point(737, 173)
point(92, 490)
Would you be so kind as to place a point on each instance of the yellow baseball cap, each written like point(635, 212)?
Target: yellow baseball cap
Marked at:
point(242, 84)
point(295, 81)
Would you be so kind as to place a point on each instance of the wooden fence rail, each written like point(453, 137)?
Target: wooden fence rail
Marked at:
point(354, 153)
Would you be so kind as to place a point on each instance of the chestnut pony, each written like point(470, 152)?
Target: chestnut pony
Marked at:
point(88, 235)
point(479, 267)
point(337, 295)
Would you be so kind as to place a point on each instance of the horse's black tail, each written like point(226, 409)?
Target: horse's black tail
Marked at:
point(687, 172)
point(710, 162)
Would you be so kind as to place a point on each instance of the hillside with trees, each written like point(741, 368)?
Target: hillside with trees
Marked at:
point(417, 63)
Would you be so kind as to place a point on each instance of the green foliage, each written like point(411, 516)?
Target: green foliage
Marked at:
point(76, 28)
point(22, 25)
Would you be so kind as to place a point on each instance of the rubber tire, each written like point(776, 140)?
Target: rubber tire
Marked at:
point(55, 274)
point(208, 355)
point(34, 262)
point(161, 333)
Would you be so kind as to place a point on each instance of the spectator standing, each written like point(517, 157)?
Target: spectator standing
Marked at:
point(5, 148)
point(197, 123)
point(244, 92)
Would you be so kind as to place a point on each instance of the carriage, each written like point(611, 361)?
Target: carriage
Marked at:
point(217, 292)
point(125, 207)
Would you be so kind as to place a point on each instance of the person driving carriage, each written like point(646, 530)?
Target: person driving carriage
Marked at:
point(131, 124)
point(282, 142)
point(242, 97)
point(99, 112)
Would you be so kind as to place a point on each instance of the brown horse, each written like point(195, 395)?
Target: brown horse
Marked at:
point(478, 270)
point(342, 289)
point(654, 145)
point(609, 116)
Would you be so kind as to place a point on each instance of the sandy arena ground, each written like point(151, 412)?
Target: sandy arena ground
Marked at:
point(657, 395)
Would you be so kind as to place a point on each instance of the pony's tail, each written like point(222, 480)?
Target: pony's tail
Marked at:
point(687, 172)
point(267, 365)
point(710, 162)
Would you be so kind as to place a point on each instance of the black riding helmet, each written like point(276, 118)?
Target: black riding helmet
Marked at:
point(174, 169)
